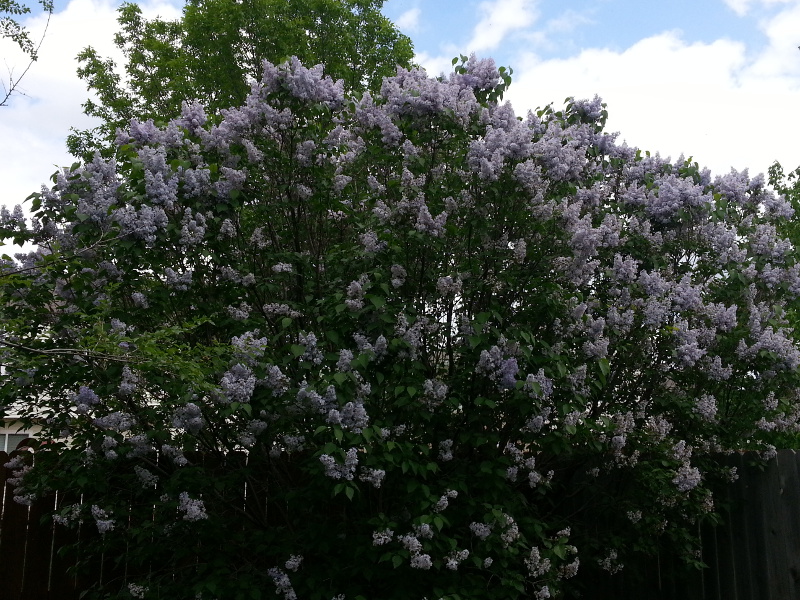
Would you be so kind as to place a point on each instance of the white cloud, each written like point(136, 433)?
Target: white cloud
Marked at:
point(742, 7)
point(567, 21)
point(34, 127)
point(702, 100)
point(550, 36)
point(409, 20)
point(436, 65)
point(779, 61)
point(499, 18)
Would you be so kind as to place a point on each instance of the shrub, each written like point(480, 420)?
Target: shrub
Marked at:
point(395, 347)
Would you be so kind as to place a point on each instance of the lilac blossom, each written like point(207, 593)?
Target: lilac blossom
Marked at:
point(192, 509)
point(282, 268)
point(372, 476)
point(139, 300)
point(537, 566)
point(501, 370)
point(188, 417)
point(455, 558)
point(148, 479)
point(142, 224)
point(312, 353)
point(444, 500)
point(276, 380)
point(355, 293)
point(381, 538)
point(447, 285)
point(426, 223)
point(398, 275)
point(706, 407)
point(116, 421)
point(610, 562)
point(336, 470)
point(248, 347)
point(687, 478)
point(85, 399)
point(175, 455)
point(178, 281)
point(282, 583)
point(434, 392)
point(446, 450)
point(421, 561)
point(102, 519)
point(238, 384)
point(480, 530)
point(275, 309)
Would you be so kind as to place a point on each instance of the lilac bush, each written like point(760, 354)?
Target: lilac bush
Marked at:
point(401, 346)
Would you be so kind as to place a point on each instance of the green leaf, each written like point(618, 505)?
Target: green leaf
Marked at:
point(605, 368)
point(377, 301)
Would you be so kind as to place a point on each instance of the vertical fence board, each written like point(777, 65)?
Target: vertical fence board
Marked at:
point(38, 550)
point(741, 535)
point(774, 523)
point(757, 518)
point(791, 498)
point(725, 573)
point(14, 542)
point(62, 583)
point(714, 556)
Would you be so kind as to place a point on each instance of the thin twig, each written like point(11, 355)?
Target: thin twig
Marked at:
point(34, 55)
point(67, 352)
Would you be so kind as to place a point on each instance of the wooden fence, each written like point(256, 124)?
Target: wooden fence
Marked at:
point(755, 556)
point(30, 566)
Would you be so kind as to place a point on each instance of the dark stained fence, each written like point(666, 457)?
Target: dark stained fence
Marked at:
point(754, 556)
point(30, 566)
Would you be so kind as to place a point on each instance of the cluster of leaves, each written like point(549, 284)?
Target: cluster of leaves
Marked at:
point(215, 52)
point(333, 341)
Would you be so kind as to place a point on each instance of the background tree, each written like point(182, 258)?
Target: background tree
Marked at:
point(216, 50)
point(12, 30)
point(399, 345)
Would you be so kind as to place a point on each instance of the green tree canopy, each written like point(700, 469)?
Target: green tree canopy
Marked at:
point(216, 51)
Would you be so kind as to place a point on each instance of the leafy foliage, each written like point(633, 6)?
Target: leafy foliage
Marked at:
point(398, 345)
point(214, 53)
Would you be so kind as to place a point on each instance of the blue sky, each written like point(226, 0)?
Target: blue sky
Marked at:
point(572, 25)
point(718, 80)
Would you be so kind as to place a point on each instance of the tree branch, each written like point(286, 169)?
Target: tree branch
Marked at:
point(14, 84)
